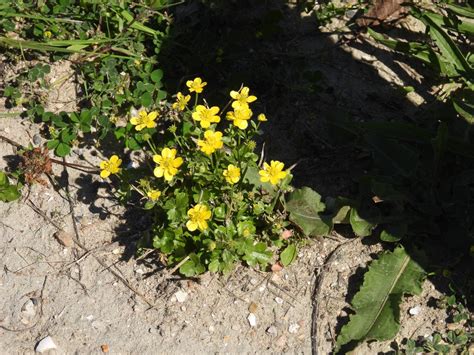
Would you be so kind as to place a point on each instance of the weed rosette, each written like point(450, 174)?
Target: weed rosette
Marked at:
point(213, 200)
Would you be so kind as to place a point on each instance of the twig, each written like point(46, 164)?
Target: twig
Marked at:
point(173, 270)
point(64, 163)
point(316, 293)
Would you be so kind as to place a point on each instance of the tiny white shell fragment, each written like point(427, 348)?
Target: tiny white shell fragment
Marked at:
point(181, 296)
point(293, 328)
point(279, 300)
point(415, 310)
point(45, 344)
point(252, 319)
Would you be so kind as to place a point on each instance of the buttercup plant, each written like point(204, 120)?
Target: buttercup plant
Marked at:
point(212, 204)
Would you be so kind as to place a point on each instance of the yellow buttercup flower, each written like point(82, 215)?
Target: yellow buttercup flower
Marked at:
point(196, 85)
point(198, 216)
point(240, 116)
point(168, 164)
point(47, 34)
point(111, 166)
point(205, 116)
point(262, 117)
point(212, 141)
point(242, 97)
point(144, 120)
point(181, 102)
point(273, 172)
point(232, 174)
point(153, 194)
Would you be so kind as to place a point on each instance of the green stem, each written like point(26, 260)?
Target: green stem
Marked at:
point(277, 196)
point(152, 146)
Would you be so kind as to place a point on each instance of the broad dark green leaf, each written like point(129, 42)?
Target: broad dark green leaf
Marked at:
point(306, 209)
point(361, 227)
point(377, 304)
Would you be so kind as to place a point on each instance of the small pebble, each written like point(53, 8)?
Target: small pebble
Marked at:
point(181, 296)
point(293, 328)
point(104, 348)
point(272, 330)
point(281, 341)
point(279, 300)
point(253, 307)
point(139, 271)
point(252, 318)
point(211, 329)
point(63, 238)
point(45, 344)
point(414, 310)
point(36, 139)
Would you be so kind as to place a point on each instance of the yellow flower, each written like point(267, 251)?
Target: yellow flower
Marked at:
point(144, 120)
point(212, 141)
point(198, 216)
point(153, 194)
point(181, 102)
point(262, 117)
point(232, 174)
point(242, 97)
point(240, 116)
point(196, 85)
point(47, 34)
point(168, 164)
point(111, 166)
point(205, 116)
point(273, 172)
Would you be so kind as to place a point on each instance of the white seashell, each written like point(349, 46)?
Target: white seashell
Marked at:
point(252, 320)
point(45, 344)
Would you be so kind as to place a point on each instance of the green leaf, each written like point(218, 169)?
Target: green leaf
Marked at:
point(146, 99)
point(417, 50)
point(377, 304)
point(214, 266)
point(305, 209)
point(156, 75)
point(288, 255)
point(192, 267)
point(8, 192)
point(446, 45)
point(393, 232)
point(52, 144)
point(394, 156)
point(360, 226)
point(256, 254)
point(461, 10)
point(3, 179)
point(62, 149)
point(464, 105)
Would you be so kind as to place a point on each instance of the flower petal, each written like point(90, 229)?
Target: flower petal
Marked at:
point(158, 172)
point(192, 226)
point(177, 162)
point(104, 174)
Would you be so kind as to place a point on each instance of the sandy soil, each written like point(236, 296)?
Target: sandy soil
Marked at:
point(101, 295)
